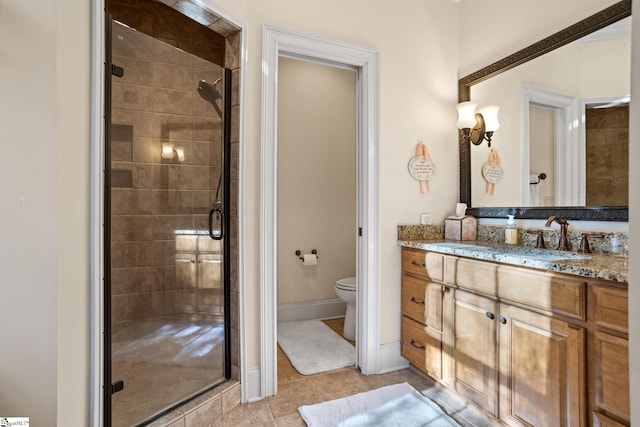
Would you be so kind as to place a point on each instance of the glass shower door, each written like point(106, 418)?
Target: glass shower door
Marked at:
point(165, 301)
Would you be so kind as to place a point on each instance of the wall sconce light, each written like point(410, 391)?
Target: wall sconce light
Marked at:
point(169, 152)
point(480, 126)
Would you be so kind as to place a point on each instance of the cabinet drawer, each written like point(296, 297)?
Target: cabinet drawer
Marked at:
point(414, 299)
point(610, 308)
point(546, 291)
point(422, 301)
point(422, 350)
point(423, 264)
point(478, 276)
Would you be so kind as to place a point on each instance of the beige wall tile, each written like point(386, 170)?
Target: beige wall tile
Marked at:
point(132, 97)
point(232, 54)
point(141, 121)
point(130, 43)
point(126, 201)
point(202, 179)
point(136, 71)
point(230, 398)
point(173, 177)
point(204, 415)
point(235, 124)
point(172, 76)
point(172, 126)
point(202, 202)
point(121, 151)
point(172, 202)
point(172, 101)
point(143, 279)
point(207, 129)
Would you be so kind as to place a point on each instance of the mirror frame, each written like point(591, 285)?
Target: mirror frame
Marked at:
point(595, 22)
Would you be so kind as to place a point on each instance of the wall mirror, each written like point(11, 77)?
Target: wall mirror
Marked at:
point(563, 138)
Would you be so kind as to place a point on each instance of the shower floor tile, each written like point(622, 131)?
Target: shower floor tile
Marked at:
point(162, 362)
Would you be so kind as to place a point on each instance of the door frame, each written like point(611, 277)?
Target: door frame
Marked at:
point(276, 42)
point(569, 153)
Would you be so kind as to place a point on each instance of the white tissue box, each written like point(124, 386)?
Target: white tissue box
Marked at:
point(460, 228)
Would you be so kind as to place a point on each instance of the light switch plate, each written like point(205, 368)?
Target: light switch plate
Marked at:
point(425, 218)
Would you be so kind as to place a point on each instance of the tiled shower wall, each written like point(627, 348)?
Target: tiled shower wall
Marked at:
point(154, 102)
point(607, 142)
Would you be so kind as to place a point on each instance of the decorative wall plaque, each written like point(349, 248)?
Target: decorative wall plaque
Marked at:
point(492, 172)
point(421, 167)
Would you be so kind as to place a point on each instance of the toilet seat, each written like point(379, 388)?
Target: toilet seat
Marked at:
point(347, 284)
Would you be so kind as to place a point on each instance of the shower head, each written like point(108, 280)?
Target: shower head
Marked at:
point(209, 92)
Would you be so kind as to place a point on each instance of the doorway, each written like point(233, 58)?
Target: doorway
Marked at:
point(279, 42)
point(166, 291)
point(316, 193)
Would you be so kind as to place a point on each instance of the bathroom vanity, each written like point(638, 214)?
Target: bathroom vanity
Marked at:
point(535, 339)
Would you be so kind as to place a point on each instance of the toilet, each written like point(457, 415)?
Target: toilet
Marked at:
point(346, 291)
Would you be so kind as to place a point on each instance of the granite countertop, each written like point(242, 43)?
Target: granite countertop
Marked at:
point(595, 265)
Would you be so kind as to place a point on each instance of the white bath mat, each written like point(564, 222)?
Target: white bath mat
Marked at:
point(313, 347)
point(398, 405)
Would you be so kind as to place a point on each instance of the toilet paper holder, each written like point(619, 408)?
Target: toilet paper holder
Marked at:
point(313, 252)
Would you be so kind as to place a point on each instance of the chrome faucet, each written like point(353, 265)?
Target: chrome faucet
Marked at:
point(563, 242)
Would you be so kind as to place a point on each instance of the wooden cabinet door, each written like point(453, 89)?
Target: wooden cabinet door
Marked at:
point(542, 364)
point(611, 375)
point(474, 349)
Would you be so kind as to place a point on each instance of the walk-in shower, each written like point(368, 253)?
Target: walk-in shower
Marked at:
point(166, 279)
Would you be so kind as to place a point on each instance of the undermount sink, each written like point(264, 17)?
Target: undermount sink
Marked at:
point(514, 253)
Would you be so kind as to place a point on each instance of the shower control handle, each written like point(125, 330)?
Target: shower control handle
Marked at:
point(219, 212)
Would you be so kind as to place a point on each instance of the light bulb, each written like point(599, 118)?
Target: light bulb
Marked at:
point(180, 153)
point(167, 151)
point(466, 115)
point(490, 115)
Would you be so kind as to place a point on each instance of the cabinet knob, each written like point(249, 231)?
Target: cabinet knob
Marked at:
point(502, 320)
point(490, 315)
point(417, 264)
point(417, 301)
point(416, 345)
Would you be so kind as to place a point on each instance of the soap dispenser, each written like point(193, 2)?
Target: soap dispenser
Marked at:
point(511, 232)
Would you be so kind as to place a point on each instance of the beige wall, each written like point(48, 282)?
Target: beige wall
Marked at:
point(29, 218)
point(73, 213)
point(316, 178)
point(493, 29)
point(634, 229)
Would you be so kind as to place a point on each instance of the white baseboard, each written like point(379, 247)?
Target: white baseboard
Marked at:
point(390, 358)
point(325, 309)
point(251, 389)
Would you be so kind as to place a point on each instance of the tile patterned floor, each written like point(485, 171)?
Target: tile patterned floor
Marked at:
point(295, 390)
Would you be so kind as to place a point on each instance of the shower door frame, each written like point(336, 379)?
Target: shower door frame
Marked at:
point(107, 385)
point(96, 217)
